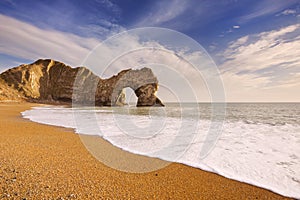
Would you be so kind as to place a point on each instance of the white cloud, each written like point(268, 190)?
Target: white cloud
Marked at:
point(266, 7)
point(110, 5)
point(291, 81)
point(236, 27)
point(239, 42)
point(23, 40)
point(160, 14)
point(288, 12)
point(264, 50)
point(258, 66)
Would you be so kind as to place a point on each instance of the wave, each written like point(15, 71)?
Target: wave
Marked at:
point(263, 154)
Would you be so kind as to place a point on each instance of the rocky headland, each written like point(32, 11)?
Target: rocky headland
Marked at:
point(52, 81)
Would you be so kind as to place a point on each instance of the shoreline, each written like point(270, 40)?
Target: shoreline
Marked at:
point(45, 161)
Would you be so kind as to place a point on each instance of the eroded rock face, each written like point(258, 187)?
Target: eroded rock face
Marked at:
point(146, 96)
point(49, 80)
point(9, 94)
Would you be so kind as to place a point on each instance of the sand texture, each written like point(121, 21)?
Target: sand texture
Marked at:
point(45, 162)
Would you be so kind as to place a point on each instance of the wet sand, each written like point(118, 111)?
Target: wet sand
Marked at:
point(46, 162)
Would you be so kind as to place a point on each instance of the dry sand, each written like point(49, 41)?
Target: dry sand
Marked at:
point(45, 162)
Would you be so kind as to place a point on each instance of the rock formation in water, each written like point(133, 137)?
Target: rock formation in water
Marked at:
point(49, 80)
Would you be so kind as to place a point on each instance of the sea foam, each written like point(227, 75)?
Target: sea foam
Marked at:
point(264, 153)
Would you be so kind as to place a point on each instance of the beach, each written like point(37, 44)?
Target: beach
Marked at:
point(46, 162)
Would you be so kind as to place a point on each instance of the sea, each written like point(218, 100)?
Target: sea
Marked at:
point(255, 143)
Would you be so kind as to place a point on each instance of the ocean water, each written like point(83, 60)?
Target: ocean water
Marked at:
point(256, 143)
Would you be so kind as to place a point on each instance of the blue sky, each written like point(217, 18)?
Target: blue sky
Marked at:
point(242, 36)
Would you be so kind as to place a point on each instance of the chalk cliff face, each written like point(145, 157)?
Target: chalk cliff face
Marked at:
point(49, 80)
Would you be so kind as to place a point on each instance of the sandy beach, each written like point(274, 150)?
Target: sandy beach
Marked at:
point(45, 162)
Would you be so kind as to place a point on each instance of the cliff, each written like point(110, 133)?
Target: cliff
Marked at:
point(53, 81)
point(9, 94)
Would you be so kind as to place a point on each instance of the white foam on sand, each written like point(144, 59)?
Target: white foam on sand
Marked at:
point(265, 155)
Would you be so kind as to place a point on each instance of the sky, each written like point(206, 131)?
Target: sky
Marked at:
point(254, 43)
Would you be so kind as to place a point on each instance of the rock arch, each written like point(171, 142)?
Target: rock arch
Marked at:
point(141, 81)
point(49, 80)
